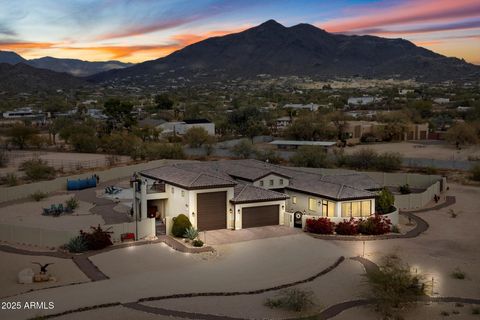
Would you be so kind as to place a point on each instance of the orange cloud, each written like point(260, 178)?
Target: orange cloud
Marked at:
point(411, 12)
point(19, 46)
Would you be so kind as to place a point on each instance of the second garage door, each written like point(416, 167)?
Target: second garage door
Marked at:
point(260, 216)
point(211, 211)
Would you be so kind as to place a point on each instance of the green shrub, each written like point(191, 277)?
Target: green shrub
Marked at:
point(388, 161)
point(458, 274)
point(445, 313)
point(393, 286)
point(475, 310)
point(180, 225)
point(39, 195)
point(37, 169)
point(405, 189)
point(385, 201)
point(292, 300)
point(97, 239)
point(77, 245)
point(197, 243)
point(191, 233)
point(475, 172)
point(310, 156)
point(11, 179)
point(395, 229)
point(155, 151)
point(71, 204)
point(243, 149)
point(374, 225)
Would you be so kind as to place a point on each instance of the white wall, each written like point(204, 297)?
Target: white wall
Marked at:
point(276, 182)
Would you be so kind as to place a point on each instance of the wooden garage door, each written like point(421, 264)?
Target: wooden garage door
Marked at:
point(212, 210)
point(260, 216)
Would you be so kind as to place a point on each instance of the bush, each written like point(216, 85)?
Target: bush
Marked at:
point(395, 229)
point(292, 300)
point(180, 225)
point(39, 195)
point(320, 226)
point(37, 169)
point(347, 227)
point(77, 245)
point(394, 286)
point(191, 233)
point(405, 189)
point(375, 225)
point(243, 149)
point(385, 201)
point(3, 158)
point(97, 239)
point(71, 204)
point(11, 179)
point(310, 156)
point(475, 172)
point(388, 161)
point(458, 274)
point(197, 243)
point(155, 151)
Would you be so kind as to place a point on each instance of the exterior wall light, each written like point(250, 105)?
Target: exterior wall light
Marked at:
point(193, 213)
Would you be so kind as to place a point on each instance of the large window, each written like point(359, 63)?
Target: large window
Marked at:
point(294, 199)
point(356, 209)
point(312, 204)
point(328, 208)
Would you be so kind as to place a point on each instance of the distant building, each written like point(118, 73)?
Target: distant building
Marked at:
point(298, 106)
point(441, 100)
point(355, 130)
point(404, 92)
point(155, 123)
point(181, 127)
point(294, 144)
point(96, 114)
point(361, 101)
point(282, 123)
point(20, 113)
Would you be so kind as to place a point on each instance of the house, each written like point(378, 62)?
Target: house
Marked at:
point(355, 130)
point(149, 122)
point(298, 106)
point(441, 100)
point(361, 101)
point(294, 144)
point(181, 127)
point(239, 194)
point(282, 123)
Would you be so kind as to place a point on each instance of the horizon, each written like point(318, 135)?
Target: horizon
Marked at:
point(147, 30)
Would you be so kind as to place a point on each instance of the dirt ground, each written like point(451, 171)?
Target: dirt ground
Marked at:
point(417, 150)
point(29, 214)
point(64, 270)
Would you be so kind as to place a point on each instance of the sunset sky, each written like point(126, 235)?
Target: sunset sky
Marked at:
point(139, 30)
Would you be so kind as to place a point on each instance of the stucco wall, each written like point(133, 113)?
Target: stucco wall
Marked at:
point(34, 236)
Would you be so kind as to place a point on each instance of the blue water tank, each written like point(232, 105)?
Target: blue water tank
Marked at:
point(80, 184)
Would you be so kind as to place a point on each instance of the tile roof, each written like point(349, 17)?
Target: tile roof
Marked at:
point(187, 179)
point(250, 193)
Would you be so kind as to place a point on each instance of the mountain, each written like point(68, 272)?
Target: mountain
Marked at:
point(21, 77)
point(10, 57)
point(77, 67)
point(302, 50)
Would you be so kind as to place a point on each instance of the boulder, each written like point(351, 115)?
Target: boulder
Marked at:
point(25, 276)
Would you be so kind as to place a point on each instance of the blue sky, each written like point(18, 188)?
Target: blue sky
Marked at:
point(139, 30)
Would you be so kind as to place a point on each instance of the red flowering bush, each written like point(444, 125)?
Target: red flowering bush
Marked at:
point(374, 225)
point(347, 227)
point(320, 225)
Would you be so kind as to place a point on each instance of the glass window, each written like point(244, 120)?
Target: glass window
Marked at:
point(331, 209)
point(312, 204)
point(294, 200)
point(281, 182)
point(325, 208)
point(271, 182)
point(366, 208)
point(356, 209)
point(346, 209)
point(261, 183)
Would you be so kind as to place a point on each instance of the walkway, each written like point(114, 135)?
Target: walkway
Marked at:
point(225, 236)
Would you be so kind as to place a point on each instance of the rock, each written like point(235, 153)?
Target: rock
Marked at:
point(25, 276)
point(41, 277)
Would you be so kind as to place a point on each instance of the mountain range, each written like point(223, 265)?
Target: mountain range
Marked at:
point(75, 67)
point(302, 50)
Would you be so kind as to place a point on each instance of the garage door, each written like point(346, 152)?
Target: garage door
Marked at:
point(260, 216)
point(212, 211)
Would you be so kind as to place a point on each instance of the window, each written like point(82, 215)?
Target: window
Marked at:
point(346, 209)
point(325, 208)
point(356, 209)
point(271, 182)
point(261, 183)
point(281, 182)
point(294, 200)
point(183, 193)
point(331, 209)
point(366, 208)
point(312, 204)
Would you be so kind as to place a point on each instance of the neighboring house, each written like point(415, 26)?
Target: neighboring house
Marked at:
point(298, 106)
point(239, 194)
point(356, 129)
point(96, 114)
point(361, 101)
point(154, 123)
point(282, 123)
point(441, 100)
point(181, 127)
point(294, 144)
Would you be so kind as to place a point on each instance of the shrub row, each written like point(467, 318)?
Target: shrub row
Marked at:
point(375, 225)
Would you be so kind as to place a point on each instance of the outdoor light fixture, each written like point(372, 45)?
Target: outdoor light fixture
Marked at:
point(193, 213)
point(230, 210)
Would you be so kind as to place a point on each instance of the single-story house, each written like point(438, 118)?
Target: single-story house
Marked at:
point(181, 127)
point(356, 129)
point(295, 144)
point(239, 194)
point(299, 106)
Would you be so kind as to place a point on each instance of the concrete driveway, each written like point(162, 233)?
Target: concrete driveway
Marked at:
point(225, 236)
